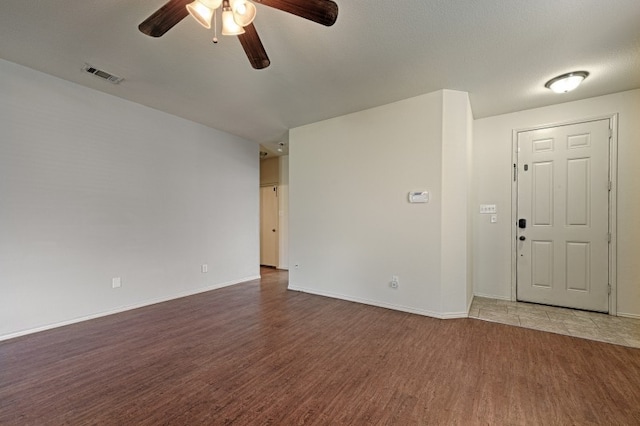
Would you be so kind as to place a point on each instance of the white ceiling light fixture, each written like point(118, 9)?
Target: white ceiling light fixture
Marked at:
point(566, 82)
point(236, 14)
point(229, 24)
point(244, 12)
point(202, 11)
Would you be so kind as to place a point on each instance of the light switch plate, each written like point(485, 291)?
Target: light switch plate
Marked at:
point(488, 209)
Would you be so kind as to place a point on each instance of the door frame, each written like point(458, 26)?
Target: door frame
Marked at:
point(613, 177)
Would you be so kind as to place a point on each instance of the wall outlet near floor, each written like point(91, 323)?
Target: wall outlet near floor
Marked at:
point(204, 268)
point(395, 282)
point(116, 282)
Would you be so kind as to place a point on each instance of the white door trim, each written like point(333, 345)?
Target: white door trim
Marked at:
point(613, 177)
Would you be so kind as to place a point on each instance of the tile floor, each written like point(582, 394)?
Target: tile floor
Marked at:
point(588, 325)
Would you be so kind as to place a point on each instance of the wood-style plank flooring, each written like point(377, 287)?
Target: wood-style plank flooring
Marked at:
point(255, 353)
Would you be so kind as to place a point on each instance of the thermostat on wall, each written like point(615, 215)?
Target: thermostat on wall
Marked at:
point(419, 197)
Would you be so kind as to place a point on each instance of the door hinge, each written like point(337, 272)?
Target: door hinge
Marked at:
point(609, 185)
point(608, 288)
point(610, 132)
point(609, 237)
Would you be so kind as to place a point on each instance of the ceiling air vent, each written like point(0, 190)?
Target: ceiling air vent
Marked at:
point(102, 74)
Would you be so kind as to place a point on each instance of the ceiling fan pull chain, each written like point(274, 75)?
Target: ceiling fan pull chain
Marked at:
point(215, 27)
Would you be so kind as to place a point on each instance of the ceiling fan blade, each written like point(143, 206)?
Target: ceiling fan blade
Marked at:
point(323, 12)
point(165, 18)
point(253, 48)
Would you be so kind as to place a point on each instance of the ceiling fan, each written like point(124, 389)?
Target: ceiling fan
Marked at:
point(237, 19)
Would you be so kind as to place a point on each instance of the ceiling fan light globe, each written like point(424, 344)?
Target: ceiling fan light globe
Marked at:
point(201, 12)
point(244, 12)
point(229, 25)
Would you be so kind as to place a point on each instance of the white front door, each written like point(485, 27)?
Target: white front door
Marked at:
point(563, 216)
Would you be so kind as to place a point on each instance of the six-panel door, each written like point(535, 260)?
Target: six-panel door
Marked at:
point(563, 193)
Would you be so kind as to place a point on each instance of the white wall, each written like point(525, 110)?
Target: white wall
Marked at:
point(283, 213)
point(351, 226)
point(471, 203)
point(94, 187)
point(455, 231)
point(493, 168)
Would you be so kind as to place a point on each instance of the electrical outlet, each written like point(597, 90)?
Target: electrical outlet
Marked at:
point(116, 282)
point(205, 268)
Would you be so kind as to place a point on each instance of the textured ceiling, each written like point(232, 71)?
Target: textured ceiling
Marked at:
point(501, 52)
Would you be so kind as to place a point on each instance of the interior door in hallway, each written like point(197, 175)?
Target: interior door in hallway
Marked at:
point(269, 225)
point(563, 216)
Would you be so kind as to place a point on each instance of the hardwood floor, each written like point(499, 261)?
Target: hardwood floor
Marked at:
point(256, 353)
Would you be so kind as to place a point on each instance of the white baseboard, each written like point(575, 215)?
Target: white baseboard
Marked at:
point(626, 315)
point(126, 308)
point(423, 312)
point(452, 315)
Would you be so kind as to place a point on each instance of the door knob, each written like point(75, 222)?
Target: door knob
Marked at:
point(522, 238)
